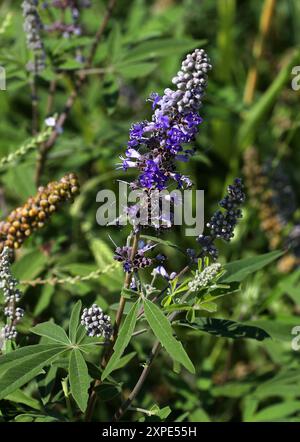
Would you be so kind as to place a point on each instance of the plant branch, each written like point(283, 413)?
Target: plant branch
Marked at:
point(50, 99)
point(34, 102)
point(146, 370)
point(107, 355)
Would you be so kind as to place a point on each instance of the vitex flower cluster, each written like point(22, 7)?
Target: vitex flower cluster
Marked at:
point(154, 146)
point(12, 296)
point(222, 223)
point(136, 262)
point(32, 27)
point(73, 7)
point(203, 278)
point(96, 322)
point(33, 215)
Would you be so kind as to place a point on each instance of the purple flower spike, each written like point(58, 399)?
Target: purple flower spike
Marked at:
point(154, 147)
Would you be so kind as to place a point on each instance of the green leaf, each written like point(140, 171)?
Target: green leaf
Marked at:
point(108, 391)
point(20, 180)
point(21, 397)
point(226, 328)
point(162, 329)
point(161, 47)
point(162, 242)
point(231, 389)
point(79, 379)
point(31, 417)
point(162, 413)
point(17, 371)
point(29, 266)
point(124, 360)
point(44, 299)
point(14, 357)
point(199, 415)
point(51, 331)
point(71, 65)
point(276, 412)
point(74, 321)
point(236, 271)
point(122, 341)
point(104, 257)
point(279, 328)
point(135, 70)
point(210, 307)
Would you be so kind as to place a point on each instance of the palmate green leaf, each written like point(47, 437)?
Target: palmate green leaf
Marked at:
point(162, 329)
point(18, 369)
point(79, 379)
point(16, 356)
point(52, 331)
point(237, 271)
point(74, 321)
point(123, 339)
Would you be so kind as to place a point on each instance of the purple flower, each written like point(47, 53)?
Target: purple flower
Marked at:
point(154, 147)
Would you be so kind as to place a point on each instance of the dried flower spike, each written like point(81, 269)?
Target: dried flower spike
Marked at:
point(33, 215)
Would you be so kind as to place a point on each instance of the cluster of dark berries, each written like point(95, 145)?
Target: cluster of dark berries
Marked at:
point(66, 29)
point(33, 215)
point(132, 263)
point(12, 296)
point(96, 322)
point(208, 247)
point(222, 223)
point(32, 28)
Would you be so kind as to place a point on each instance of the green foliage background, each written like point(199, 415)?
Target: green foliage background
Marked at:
point(236, 379)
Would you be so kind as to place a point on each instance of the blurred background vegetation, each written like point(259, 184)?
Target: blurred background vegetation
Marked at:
point(251, 129)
